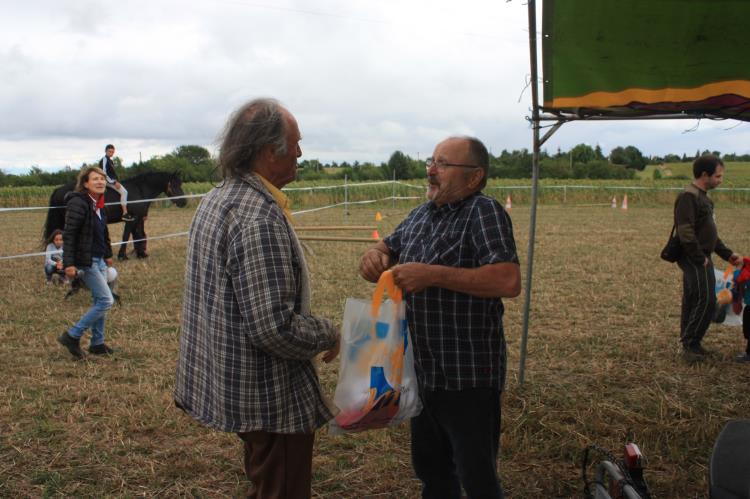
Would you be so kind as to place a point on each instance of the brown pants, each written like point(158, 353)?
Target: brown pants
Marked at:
point(278, 465)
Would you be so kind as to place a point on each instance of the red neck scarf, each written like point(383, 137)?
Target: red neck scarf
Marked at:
point(98, 201)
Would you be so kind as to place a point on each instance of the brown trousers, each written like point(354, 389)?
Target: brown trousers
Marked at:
point(278, 465)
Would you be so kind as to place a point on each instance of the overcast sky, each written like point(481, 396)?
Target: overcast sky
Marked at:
point(363, 77)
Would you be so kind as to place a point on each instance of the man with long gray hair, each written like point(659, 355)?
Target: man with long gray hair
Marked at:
point(248, 337)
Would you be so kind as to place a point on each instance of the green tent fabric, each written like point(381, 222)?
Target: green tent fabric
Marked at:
point(634, 58)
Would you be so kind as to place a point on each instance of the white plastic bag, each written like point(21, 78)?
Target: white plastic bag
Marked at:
point(724, 285)
point(377, 384)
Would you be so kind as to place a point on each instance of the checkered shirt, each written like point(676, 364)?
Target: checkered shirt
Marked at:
point(458, 338)
point(247, 336)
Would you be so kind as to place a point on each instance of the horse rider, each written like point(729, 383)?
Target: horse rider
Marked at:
point(108, 166)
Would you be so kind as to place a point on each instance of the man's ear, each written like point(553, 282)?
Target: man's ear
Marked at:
point(476, 178)
point(268, 153)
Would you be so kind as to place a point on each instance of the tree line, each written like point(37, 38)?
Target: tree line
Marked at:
point(194, 163)
point(583, 161)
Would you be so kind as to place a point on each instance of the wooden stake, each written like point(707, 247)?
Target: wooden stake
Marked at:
point(334, 238)
point(335, 227)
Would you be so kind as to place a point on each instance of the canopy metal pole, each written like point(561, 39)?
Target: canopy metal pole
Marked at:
point(534, 186)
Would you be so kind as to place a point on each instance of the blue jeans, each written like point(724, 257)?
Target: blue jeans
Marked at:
point(95, 278)
point(50, 269)
point(455, 441)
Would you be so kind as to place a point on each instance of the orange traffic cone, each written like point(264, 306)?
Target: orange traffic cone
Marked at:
point(508, 203)
point(625, 202)
point(614, 202)
point(375, 235)
point(378, 216)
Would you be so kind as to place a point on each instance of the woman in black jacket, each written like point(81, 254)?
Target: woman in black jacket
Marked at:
point(87, 248)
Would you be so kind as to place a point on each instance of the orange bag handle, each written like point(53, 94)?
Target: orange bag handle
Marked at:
point(385, 283)
point(728, 272)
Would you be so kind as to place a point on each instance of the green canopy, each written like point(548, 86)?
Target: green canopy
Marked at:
point(635, 58)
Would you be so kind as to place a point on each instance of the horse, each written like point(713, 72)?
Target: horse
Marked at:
point(144, 186)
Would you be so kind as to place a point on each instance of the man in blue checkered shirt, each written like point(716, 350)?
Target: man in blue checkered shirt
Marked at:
point(455, 258)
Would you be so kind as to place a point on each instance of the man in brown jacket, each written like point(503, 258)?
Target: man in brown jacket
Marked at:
point(696, 228)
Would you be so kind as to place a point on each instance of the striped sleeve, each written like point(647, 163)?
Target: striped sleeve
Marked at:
point(265, 286)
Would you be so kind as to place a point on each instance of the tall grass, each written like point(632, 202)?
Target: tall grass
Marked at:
point(11, 197)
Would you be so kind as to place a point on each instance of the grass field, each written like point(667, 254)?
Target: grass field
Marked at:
point(603, 360)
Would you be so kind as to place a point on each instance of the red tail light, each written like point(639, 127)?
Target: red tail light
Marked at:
point(633, 456)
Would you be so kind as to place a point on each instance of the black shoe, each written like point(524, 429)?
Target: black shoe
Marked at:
point(123, 257)
point(696, 350)
point(102, 349)
point(702, 350)
point(721, 313)
point(127, 217)
point(72, 344)
point(744, 358)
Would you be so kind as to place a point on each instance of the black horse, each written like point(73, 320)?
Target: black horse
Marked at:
point(144, 186)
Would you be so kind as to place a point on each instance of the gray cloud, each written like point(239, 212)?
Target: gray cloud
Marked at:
point(363, 78)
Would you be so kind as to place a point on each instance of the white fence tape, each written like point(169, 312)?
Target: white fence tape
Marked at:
point(189, 196)
point(136, 201)
point(405, 184)
point(120, 243)
point(408, 185)
point(341, 186)
point(369, 201)
point(179, 234)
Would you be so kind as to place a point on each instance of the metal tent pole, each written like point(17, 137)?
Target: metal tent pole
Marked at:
point(535, 126)
point(534, 187)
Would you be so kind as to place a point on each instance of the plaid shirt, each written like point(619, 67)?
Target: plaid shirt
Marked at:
point(247, 336)
point(458, 338)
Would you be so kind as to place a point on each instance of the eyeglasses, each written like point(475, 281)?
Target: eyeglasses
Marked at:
point(442, 165)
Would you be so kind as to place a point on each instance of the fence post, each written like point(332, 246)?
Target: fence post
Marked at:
point(565, 194)
point(346, 197)
point(393, 190)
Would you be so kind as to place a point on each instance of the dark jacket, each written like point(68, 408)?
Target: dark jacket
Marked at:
point(108, 166)
point(694, 218)
point(78, 235)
